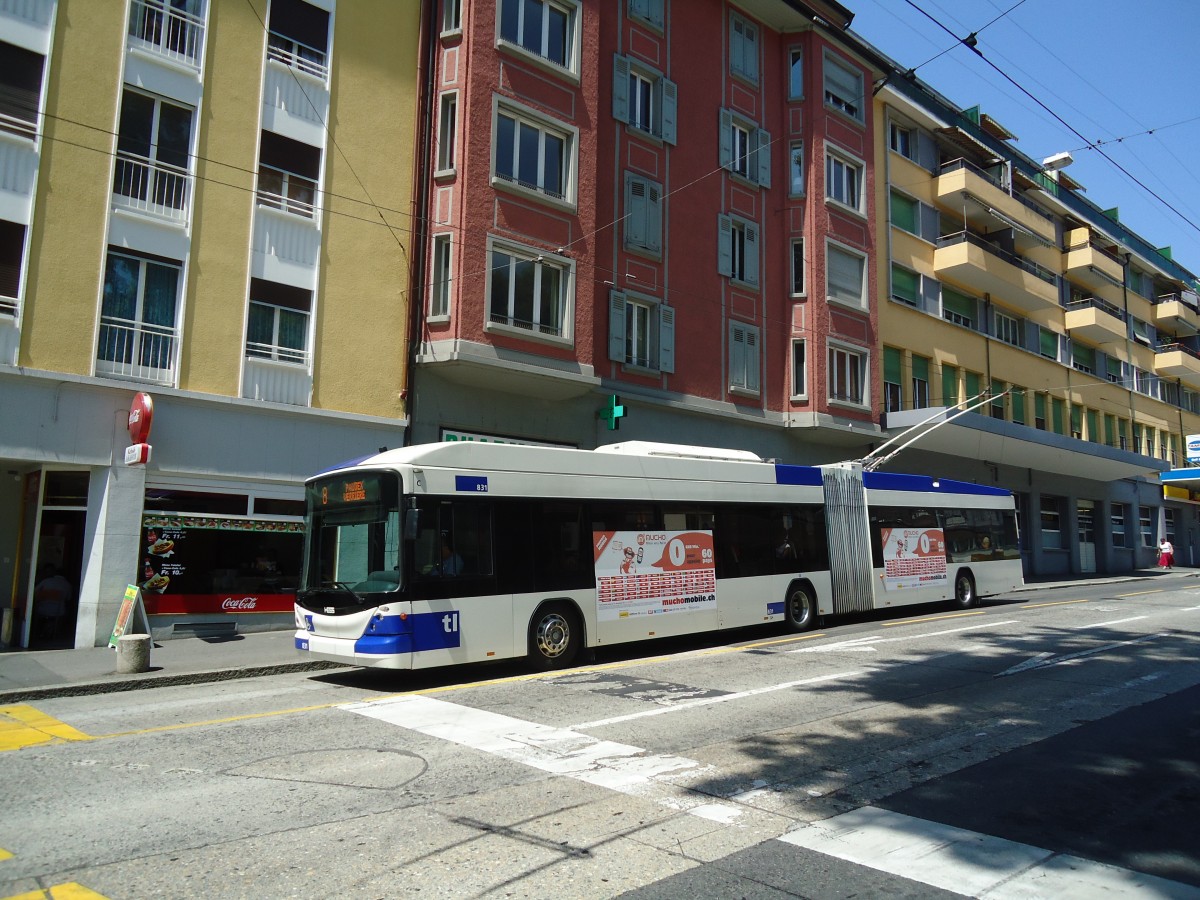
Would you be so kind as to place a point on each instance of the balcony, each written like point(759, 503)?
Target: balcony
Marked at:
point(163, 30)
point(151, 188)
point(277, 375)
point(1177, 313)
point(970, 260)
point(137, 351)
point(1179, 362)
point(992, 205)
point(1096, 320)
point(1090, 263)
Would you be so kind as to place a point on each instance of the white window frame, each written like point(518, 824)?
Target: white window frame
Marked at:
point(447, 133)
point(541, 260)
point(441, 261)
point(798, 273)
point(902, 139)
point(738, 253)
point(751, 162)
point(837, 247)
point(451, 16)
point(643, 218)
point(846, 363)
point(799, 369)
point(851, 107)
point(796, 73)
point(745, 358)
point(1008, 329)
point(570, 8)
point(639, 319)
point(796, 170)
point(743, 48)
point(297, 356)
point(844, 174)
point(633, 80)
point(524, 116)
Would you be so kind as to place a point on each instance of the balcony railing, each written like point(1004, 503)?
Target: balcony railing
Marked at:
point(8, 306)
point(20, 125)
point(150, 187)
point(286, 191)
point(948, 240)
point(1187, 298)
point(1098, 247)
point(298, 56)
point(167, 31)
point(1170, 348)
point(255, 350)
point(136, 350)
point(1097, 303)
point(960, 163)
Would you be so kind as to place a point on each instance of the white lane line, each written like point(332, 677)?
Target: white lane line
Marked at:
point(560, 751)
point(864, 643)
point(970, 863)
point(1106, 624)
point(708, 701)
point(1045, 660)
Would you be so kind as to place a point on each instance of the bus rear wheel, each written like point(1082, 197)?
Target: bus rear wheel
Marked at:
point(555, 636)
point(801, 609)
point(964, 591)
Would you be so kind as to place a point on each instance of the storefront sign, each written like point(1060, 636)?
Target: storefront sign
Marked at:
point(129, 605)
point(1193, 448)
point(468, 436)
point(913, 557)
point(646, 573)
point(141, 414)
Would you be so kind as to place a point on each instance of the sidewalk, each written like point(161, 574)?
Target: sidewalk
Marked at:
point(37, 674)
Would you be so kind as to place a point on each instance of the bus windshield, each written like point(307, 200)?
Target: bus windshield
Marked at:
point(354, 533)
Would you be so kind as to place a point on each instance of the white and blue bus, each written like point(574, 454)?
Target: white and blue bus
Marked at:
point(451, 553)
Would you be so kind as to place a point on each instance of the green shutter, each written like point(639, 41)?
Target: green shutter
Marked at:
point(949, 386)
point(972, 385)
point(1058, 409)
point(961, 304)
point(891, 365)
point(1018, 405)
point(1049, 344)
point(1093, 424)
point(904, 213)
point(920, 368)
point(905, 285)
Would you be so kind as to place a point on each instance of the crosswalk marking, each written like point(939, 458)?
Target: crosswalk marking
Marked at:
point(71, 890)
point(26, 726)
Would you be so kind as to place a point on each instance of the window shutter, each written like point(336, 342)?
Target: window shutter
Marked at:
point(653, 219)
point(927, 152)
point(666, 338)
point(891, 366)
point(930, 222)
point(620, 88)
point(751, 253)
point(668, 107)
point(752, 364)
point(616, 326)
point(762, 151)
point(726, 148)
point(737, 355)
point(635, 212)
point(843, 83)
point(724, 245)
point(931, 294)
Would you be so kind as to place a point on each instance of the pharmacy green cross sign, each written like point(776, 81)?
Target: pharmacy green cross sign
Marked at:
point(612, 412)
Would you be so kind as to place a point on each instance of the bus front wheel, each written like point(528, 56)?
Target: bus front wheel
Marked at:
point(801, 611)
point(965, 596)
point(555, 636)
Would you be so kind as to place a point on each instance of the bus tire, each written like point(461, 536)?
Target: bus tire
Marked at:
point(800, 609)
point(555, 636)
point(965, 596)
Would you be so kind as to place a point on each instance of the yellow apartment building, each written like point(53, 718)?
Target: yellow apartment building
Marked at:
point(206, 215)
point(1070, 340)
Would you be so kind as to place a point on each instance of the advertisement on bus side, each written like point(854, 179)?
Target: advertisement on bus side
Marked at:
point(647, 573)
point(913, 557)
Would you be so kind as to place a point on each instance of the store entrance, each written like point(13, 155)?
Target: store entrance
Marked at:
point(56, 558)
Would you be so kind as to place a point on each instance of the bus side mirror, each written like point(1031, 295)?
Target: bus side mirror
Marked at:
point(412, 524)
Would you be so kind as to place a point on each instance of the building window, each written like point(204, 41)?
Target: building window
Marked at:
point(12, 251)
point(451, 16)
point(1117, 524)
point(447, 132)
point(1008, 329)
point(153, 155)
point(545, 28)
point(174, 29)
point(641, 332)
point(737, 255)
point(1018, 404)
point(1146, 525)
point(644, 99)
point(534, 154)
point(299, 37)
point(439, 295)
point(958, 308)
point(843, 181)
point(920, 382)
point(743, 48)
point(277, 325)
point(846, 276)
point(649, 11)
point(1083, 358)
point(287, 174)
point(1052, 533)
point(893, 388)
point(643, 214)
point(906, 286)
point(1169, 524)
point(743, 357)
point(796, 170)
point(1048, 343)
point(843, 88)
point(745, 149)
point(950, 394)
point(796, 74)
point(799, 369)
point(137, 318)
point(530, 291)
point(20, 89)
point(902, 140)
point(798, 267)
point(847, 375)
point(998, 396)
point(905, 213)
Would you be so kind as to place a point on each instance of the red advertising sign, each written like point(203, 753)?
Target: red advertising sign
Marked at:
point(189, 604)
point(141, 413)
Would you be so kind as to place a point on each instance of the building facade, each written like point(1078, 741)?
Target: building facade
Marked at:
point(207, 203)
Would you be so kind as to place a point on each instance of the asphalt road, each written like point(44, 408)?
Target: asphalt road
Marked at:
point(1044, 745)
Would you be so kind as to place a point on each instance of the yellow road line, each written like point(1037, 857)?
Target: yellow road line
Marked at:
point(25, 726)
point(4, 854)
point(1055, 603)
point(1140, 593)
point(70, 891)
point(977, 612)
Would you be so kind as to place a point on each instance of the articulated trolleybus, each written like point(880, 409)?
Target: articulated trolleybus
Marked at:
point(454, 553)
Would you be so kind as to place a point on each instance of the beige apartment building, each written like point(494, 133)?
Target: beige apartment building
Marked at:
point(207, 203)
point(1072, 339)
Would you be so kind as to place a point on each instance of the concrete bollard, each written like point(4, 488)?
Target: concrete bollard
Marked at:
point(133, 653)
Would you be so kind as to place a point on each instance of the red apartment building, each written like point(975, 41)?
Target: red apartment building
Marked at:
point(667, 202)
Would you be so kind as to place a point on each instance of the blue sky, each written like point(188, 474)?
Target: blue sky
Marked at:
point(1111, 69)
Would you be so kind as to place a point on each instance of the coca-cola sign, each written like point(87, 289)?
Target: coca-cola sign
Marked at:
point(234, 604)
point(170, 603)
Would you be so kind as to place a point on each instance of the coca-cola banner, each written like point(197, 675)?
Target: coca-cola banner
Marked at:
point(210, 564)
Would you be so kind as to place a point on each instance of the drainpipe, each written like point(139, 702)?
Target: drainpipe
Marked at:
point(420, 204)
point(1128, 327)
